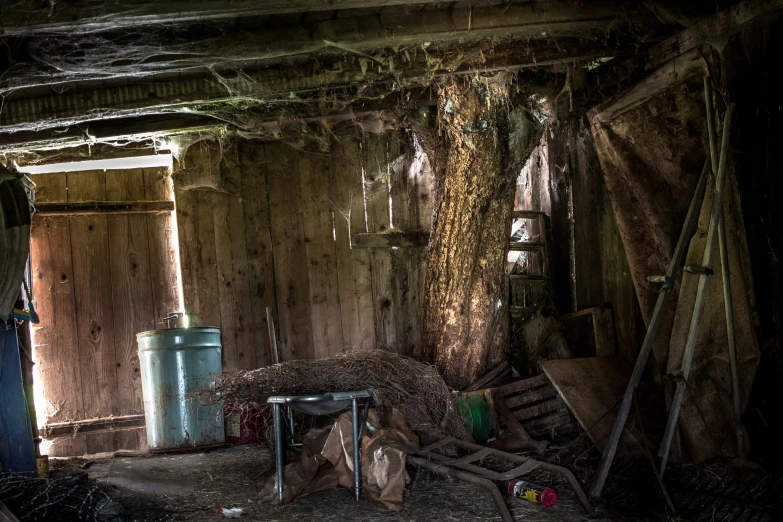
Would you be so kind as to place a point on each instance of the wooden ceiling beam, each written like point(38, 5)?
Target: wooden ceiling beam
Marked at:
point(283, 89)
point(374, 38)
point(714, 30)
point(92, 16)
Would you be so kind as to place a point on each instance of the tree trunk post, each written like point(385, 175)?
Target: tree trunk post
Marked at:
point(477, 145)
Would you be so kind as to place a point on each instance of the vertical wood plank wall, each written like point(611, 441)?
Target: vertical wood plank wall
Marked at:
point(98, 281)
point(265, 225)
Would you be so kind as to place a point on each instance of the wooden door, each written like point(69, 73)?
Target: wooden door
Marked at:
point(99, 278)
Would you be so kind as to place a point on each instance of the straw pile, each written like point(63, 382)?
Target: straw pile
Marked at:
point(414, 388)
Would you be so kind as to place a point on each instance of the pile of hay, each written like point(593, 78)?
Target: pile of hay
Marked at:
point(414, 388)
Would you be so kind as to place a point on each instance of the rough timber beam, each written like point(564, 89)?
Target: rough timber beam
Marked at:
point(714, 30)
point(368, 37)
point(98, 15)
point(275, 89)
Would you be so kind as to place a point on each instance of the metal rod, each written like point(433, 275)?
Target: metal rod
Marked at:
point(641, 362)
point(724, 267)
point(701, 294)
point(357, 469)
point(279, 457)
point(464, 476)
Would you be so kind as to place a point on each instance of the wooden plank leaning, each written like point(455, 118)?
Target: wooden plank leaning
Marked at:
point(701, 294)
point(673, 271)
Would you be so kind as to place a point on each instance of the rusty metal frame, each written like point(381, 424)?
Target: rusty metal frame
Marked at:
point(522, 465)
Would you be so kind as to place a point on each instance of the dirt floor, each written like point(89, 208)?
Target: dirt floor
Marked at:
point(191, 486)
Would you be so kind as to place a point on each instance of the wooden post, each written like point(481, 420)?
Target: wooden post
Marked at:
point(724, 268)
point(701, 294)
point(476, 160)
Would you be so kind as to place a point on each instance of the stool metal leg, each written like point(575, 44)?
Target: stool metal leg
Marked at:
point(279, 450)
point(357, 468)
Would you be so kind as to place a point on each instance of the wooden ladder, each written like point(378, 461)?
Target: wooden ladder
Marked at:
point(519, 283)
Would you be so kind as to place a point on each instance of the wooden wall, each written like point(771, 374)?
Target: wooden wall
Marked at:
point(262, 224)
point(589, 267)
point(98, 281)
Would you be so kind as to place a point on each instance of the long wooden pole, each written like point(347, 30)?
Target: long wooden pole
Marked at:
point(663, 298)
point(724, 268)
point(701, 294)
point(270, 322)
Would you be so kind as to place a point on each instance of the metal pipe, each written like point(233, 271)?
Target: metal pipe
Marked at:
point(279, 457)
point(488, 485)
point(357, 470)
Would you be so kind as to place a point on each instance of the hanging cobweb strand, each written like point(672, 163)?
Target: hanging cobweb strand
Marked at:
point(416, 389)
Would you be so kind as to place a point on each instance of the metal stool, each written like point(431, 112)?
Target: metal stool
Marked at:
point(325, 404)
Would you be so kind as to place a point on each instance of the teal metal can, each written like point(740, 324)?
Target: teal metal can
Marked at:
point(175, 363)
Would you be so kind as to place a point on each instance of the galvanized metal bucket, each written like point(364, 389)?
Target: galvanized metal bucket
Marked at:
point(175, 362)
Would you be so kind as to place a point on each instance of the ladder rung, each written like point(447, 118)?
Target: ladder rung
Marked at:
point(528, 214)
point(524, 246)
point(530, 279)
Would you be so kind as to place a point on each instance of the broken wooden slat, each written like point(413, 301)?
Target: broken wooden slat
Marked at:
point(530, 397)
point(549, 406)
point(542, 426)
point(525, 384)
point(85, 208)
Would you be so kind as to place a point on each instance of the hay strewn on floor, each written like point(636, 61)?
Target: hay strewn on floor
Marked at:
point(414, 388)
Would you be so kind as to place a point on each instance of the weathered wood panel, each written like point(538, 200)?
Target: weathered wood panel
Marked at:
point(410, 211)
point(293, 294)
point(287, 241)
point(163, 248)
point(55, 344)
point(377, 185)
point(319, 235)
point(236, 316)
point(353, 264)
point(131, 286)
point(259, 245)
point(93, 293)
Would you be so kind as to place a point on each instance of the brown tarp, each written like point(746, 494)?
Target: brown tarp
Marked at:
point(327, 461)
point(652, 143)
